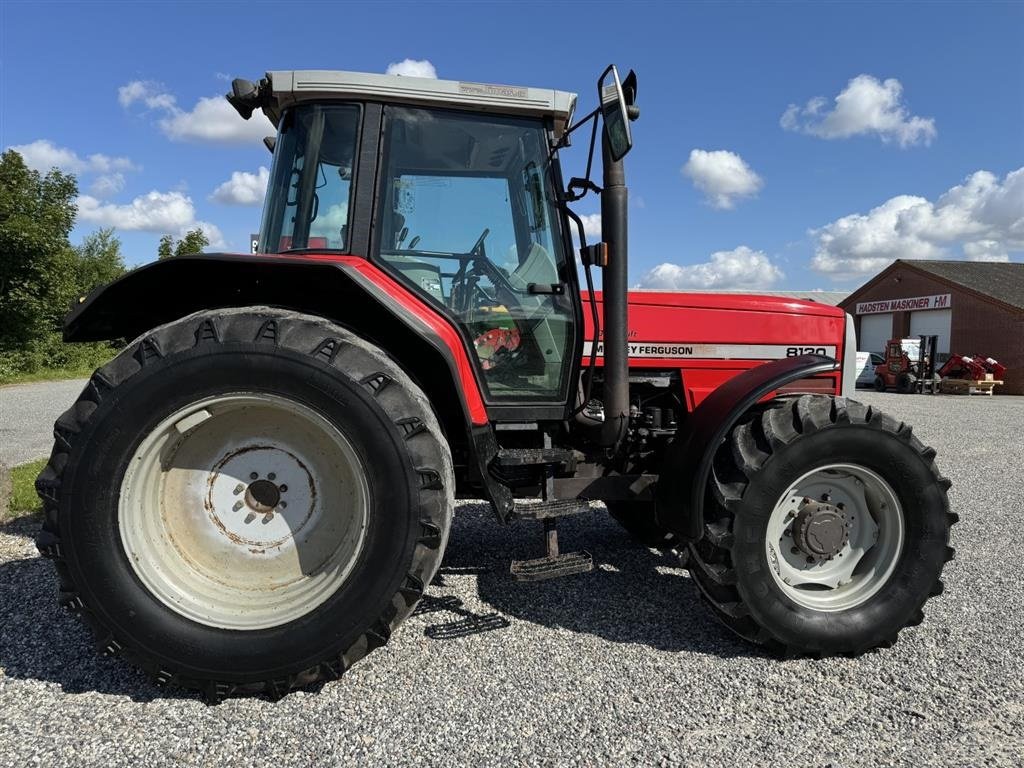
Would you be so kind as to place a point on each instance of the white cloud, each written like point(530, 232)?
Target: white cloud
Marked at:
point(741, 268)
point(591, 224)
point(722, 176)
point(243, 188)
point(147, 92)
point(865, 106)
point(211, 120)
point(42, 155)
point(983, 215)
point(160, 212)
point(986, 250)
point(412, 68)
point(107, 185)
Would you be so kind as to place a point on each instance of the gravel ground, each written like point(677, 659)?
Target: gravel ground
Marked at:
point(622, 666)
point(27, 413)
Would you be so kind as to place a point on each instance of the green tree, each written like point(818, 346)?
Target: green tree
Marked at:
point(99, 260)
point(37, 263)
point(193, 242)
point(166, 248)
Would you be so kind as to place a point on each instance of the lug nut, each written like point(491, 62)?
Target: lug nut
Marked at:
point(284, 488)
point(810, 559)
point(238, 506)
point(238, 489)
point(254, 475)
point(271, 476)
point(283, 504)
point(794, 550)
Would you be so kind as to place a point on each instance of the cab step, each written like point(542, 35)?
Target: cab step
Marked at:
point(554, 564)
point(552, 567)
point(547, 510)
point(533, 457)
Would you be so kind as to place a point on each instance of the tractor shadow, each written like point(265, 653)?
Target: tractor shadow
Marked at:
point(634, 595)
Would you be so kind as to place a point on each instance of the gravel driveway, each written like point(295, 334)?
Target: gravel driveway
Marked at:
point(27, 413)
point(617, 667)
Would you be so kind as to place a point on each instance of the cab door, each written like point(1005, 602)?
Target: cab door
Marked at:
point(466, 218)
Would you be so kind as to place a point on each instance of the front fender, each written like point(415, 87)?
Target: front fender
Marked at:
point(687, 463)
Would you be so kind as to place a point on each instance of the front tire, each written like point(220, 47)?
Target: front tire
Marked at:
point(827, 528)
point(246, 501)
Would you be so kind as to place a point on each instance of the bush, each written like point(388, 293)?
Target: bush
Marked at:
point(41, 274)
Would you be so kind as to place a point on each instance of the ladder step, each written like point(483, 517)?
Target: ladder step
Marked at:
point(545, 510)
point(552, 567)
point(525, 457)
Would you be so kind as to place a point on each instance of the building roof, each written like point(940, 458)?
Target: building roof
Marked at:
point(1003, 281)
point(999, 282)
point(290, 87)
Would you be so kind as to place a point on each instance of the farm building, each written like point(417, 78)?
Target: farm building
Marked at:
point(974, 307)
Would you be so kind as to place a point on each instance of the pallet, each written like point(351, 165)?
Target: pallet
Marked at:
point(967, 386)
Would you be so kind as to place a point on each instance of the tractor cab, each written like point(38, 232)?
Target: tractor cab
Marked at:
point(462, 207)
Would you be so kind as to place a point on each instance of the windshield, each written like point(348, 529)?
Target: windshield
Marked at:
point(308, 195)
point(469, 220)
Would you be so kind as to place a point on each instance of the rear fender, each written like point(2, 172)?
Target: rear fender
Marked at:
point(348, 290)
point(687, 463)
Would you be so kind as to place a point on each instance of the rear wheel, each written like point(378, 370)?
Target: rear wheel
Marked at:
point(827, 528)
point(246, 501)
point(879, 384)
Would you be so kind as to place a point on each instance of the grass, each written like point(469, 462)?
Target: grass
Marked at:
point(24, 500)
point(47, 374)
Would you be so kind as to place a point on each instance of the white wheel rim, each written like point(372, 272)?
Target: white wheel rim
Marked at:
point(244, 511)
point(867, 558)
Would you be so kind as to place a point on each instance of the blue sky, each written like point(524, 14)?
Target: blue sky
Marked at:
point(920, 157)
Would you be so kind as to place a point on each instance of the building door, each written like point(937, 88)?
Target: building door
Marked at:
point(935, 322)
point(875, 331)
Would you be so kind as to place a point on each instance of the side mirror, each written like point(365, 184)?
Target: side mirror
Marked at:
point(615, 111)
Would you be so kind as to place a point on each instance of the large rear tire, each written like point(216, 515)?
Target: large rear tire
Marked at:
point(246, 501)
point(827, 528)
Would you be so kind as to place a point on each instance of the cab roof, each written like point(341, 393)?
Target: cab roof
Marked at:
point(287, 88)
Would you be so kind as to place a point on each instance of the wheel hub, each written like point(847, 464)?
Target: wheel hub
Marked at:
point(834, 537)
point(263, 496)
point(270, 511)
point(820, 530)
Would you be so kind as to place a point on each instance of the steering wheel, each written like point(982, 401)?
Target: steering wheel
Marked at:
point(478, 246)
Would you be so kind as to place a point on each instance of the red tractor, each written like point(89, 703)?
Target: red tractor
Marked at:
point(909, 366)
point(256, 492)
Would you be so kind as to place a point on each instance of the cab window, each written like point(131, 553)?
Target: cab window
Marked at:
point(467, 219)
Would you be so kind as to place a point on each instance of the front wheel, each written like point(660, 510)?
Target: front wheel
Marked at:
point(246, 501)
point(827, 528)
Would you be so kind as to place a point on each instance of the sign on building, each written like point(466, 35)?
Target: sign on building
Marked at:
point(938, 301)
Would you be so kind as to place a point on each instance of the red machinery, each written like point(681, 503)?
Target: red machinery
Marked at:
point(909, 365)
point(257, 491)
point(963, 367)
